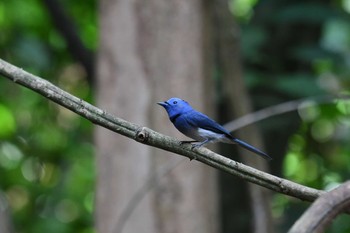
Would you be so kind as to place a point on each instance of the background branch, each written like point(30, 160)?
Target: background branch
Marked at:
point(66, 27)
point(155, 139)
point(137, 197)
point(280, 109)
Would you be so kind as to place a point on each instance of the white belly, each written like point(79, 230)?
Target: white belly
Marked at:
point(216, 137)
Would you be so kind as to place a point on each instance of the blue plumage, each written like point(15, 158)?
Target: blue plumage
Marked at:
point(200, 127)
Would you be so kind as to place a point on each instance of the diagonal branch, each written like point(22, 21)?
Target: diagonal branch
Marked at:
point(152, 138)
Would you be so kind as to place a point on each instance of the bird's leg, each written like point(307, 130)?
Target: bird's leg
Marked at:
point(184, 142)
point(199, 144)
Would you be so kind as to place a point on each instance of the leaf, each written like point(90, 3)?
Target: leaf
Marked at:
point(7, 122)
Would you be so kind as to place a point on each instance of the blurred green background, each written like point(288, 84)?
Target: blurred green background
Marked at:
point(290, 50)
point(46, 152)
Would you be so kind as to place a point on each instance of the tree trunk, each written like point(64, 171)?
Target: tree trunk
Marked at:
point(150, 51)
point(6, 225)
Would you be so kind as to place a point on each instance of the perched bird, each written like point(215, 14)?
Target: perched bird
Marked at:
point(200, 127)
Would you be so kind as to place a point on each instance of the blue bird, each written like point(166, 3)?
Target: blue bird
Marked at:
point(200, 127)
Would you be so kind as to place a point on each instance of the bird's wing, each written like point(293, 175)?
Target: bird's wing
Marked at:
point(200, 120)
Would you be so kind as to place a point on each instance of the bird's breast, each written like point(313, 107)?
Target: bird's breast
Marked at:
point(187, 129)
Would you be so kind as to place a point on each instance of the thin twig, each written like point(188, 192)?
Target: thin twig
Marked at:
point(280, 109)
point(137, 197)
point(155, 139)
point(66, 26)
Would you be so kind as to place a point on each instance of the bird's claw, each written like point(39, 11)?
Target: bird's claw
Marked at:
point(193, 146)
point(185, 142)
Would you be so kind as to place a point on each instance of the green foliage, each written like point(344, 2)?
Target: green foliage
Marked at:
point(297, 84)
point(242, 9)
point(7, 122)
point(292, 50)
point(46, 164)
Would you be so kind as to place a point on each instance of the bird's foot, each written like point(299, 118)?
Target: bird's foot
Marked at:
point(185, 142)
point(196, 145)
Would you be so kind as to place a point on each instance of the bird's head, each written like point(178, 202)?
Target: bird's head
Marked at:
point(175, 106)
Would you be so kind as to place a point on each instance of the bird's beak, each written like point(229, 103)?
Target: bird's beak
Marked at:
point(163, 103)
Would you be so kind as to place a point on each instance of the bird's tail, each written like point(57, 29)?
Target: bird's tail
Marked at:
point(252, 148)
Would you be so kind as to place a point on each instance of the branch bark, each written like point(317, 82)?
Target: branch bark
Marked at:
point(155, 139)
point(321, 213)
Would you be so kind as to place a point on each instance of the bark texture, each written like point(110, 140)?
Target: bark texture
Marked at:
point(150, 51)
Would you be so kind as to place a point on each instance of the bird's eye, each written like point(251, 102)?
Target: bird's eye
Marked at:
point(175, 102)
